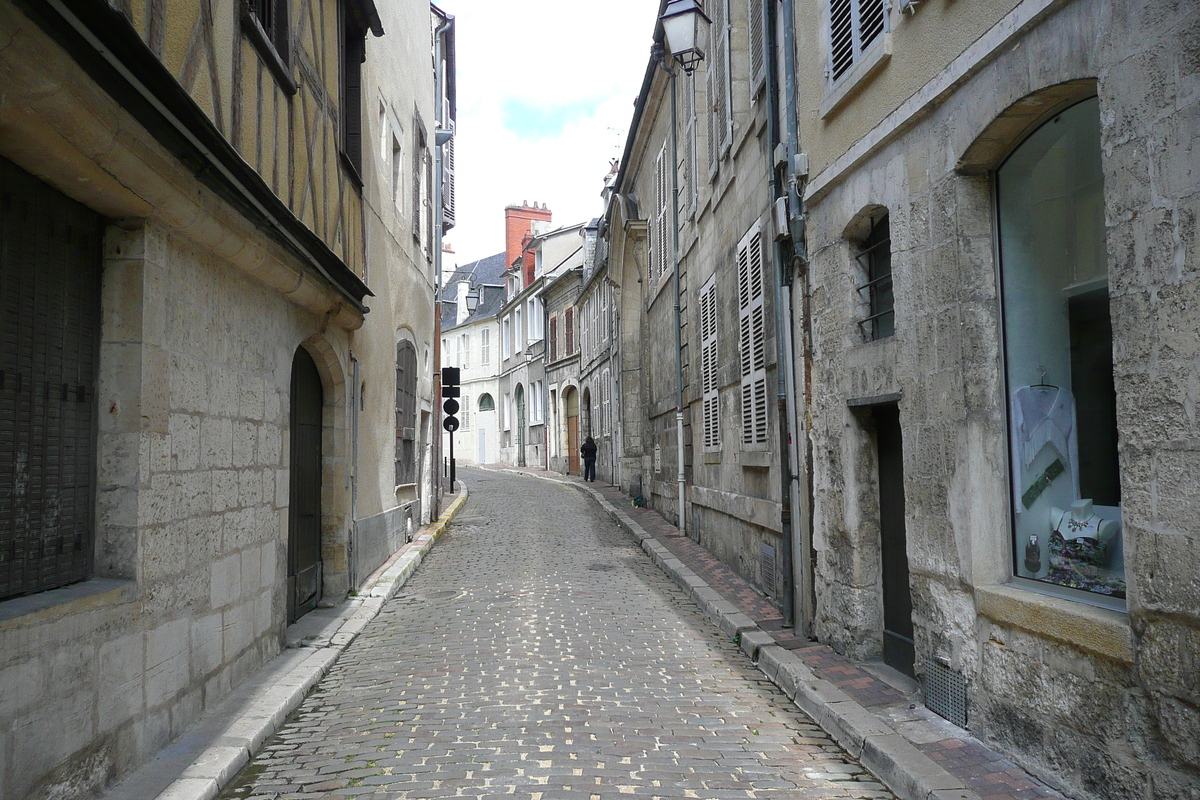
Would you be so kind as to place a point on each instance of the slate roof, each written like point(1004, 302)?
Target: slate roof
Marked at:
point(488, 272)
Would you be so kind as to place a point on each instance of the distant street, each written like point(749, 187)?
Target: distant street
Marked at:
point(538, 653)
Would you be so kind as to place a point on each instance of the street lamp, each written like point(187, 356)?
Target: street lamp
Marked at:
point(685, 28)
point(473, 301)
point(685, 33)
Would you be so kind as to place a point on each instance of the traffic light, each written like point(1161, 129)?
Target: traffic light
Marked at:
point(450, 390)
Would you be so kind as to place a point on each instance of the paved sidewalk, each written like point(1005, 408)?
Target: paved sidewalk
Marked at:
point(919, 755)
point(198, 764)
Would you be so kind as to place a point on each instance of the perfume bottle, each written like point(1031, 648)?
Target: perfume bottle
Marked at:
point(1033, 554)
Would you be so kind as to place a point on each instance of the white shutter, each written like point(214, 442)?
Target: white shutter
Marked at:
point(752, 338)
point(758, 53)
point(448, 204)
point(854, 25)
point(687, 158)
point(725, 87)
point(710, 394)
point(662, 192)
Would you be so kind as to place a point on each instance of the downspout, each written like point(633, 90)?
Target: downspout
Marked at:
point(680, 477)
point(784, 362)
point(797, 174)
point(438, 141)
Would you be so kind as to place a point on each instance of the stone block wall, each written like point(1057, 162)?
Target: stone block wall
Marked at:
point(1101, 703)
point(189, 598)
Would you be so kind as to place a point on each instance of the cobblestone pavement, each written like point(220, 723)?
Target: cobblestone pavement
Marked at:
point(538, 654)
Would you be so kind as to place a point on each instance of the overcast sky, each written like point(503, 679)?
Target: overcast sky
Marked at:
point(545, 96)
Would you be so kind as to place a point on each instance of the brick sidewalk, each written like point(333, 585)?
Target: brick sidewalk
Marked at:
point(986, 772)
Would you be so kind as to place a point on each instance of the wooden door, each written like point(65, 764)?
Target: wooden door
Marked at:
point(304, 511)
point(573, 445)
point(898, 651)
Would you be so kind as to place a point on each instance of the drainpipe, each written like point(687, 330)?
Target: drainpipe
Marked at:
point(682, 523)
point(436, 438)
point(785, 388)
point(797, 174)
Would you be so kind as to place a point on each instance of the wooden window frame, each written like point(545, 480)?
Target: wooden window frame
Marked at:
point(269, 32)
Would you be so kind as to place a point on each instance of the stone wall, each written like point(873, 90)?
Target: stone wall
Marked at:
point(1102, 703)
point(195, 363)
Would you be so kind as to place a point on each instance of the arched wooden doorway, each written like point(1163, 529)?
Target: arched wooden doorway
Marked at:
point(571, 402)
point(304, 495)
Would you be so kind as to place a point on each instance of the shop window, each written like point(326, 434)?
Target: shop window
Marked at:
point(1058, 348)
point(876, 261)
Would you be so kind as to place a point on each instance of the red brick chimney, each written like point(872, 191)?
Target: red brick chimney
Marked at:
point(518, 227)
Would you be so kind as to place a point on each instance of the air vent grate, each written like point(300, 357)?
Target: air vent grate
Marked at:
point(766, 569)
point(946, 692)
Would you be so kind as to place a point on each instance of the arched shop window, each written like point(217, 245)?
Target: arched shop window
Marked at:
point(1058, 352)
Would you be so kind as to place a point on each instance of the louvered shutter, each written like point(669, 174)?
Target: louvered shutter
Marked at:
point(448, 201)
point(49, 333)
point(854, 25)
point(554, 338)
point(569, 323)
point(352, 58)
point(720, 121)
point(687, 168)
point(710, 391)
point(752, 338)
point(662, 192)
point(417, 177)
point(758, 53)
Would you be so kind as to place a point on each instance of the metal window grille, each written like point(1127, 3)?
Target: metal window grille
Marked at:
point(945, 692)
point(876, 258)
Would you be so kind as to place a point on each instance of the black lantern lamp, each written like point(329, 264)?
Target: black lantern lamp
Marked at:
point(685, 26)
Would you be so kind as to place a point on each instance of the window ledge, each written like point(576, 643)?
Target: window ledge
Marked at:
point(712, 458)
point(270, 56)
point(838, 93)
point(1098, 630)
point(55, 604)
point(754, 458)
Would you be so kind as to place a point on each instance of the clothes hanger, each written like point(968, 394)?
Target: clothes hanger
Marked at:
point(1041, 384)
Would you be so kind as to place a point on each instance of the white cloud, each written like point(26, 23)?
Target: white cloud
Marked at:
point(563, 60)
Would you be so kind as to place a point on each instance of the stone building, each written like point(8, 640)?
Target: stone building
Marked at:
point(191, 209)
point(598, 358)
point(559, 299)
point(471, 301)
point(1002, 206)
point(700, 437)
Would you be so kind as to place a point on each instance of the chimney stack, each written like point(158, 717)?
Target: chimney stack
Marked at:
point(518, 227)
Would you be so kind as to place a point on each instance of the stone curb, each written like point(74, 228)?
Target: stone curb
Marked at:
point(221, 761)
point(904, 769)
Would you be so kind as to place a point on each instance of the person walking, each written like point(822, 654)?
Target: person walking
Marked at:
point(588, 451)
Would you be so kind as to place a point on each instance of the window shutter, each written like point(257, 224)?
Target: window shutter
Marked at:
point(687, 117)
point(710, 391)
point(417, 177)
point(406, 413)
point(724, 87)
point(570, 325)
point(554, 338)
point(853, 26)
point(50, 267)
point(758, 55)
point(659, 245)
point(752, 338)
point(352, 57)
point(448, 202)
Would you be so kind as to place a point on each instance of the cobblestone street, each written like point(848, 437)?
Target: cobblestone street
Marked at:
point(538, 653)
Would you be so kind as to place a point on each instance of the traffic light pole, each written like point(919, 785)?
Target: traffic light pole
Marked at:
point(450, 391)
point(452, 475)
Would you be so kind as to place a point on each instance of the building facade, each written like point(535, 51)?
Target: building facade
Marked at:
point(697, 346)
point(1001, 217)
point(472, 298)
point(559, 298)
point(185, 277)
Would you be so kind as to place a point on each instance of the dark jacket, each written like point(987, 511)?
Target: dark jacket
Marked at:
point(588, 451)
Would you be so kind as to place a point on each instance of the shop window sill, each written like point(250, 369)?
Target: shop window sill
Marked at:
point(1102, 631)
point(44, 607)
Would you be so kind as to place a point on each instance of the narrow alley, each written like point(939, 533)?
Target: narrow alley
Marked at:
point(538, 653)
